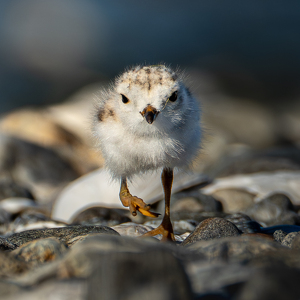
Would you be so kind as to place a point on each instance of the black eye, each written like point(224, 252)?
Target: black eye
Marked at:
point(124, 99)
point(173, 97)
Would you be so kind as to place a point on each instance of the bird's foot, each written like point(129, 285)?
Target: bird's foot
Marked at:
point(165, 229)
point(136, 204)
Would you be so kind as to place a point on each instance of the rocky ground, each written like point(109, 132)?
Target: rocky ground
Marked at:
point(237, 225)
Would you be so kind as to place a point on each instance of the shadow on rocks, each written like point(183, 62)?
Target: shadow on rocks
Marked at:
point(274, 282)
point(154, 274)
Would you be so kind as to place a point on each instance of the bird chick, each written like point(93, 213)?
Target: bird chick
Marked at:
point(147, 120)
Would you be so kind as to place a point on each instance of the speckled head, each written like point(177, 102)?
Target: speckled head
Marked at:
point(147, 89)
point(147, 77)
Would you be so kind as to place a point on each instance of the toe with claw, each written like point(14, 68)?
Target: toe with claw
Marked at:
point(134, 203)
point(165, 229)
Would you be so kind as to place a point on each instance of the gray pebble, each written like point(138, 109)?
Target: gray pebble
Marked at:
point(234, 200)
point(273, 210)
point(194, 201)
point(212, 228)
point(63, 234)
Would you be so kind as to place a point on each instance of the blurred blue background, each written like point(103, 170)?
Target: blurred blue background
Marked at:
point(50, 49)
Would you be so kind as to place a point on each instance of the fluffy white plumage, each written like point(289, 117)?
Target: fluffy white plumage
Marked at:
point(132, 145)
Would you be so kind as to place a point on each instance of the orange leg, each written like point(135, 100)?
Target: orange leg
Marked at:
point(165, 228)
point(134, 203)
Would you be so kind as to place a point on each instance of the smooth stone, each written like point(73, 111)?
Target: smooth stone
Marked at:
point(234, 200)
point(195, 217)
point(184, 226)
point(192, 200)
point(102, 215)
point(281, 200)
point(244, 223)
point(289, 238)
point(40, 251)
point(213, 228)
point(235, 249)
point(98, 189)
point(273, 210)
point(187, 203)
point(63, 234)
point(261, 184)
point(153, 274)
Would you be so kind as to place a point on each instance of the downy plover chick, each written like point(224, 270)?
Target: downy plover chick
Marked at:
point(147, 120)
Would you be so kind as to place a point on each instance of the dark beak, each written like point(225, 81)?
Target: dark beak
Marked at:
point(149, 113)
